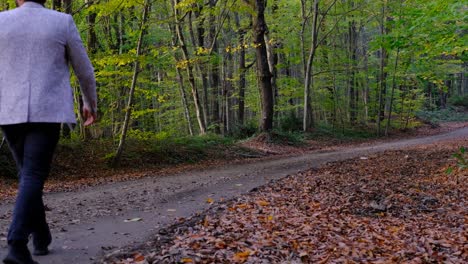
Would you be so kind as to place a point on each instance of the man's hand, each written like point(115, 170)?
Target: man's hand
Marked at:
point(89, 117)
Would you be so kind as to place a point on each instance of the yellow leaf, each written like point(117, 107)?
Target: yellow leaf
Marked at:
point(210, 200)
point(242, 256)
point(187, 260)
point(242, 206)
point(263, 203)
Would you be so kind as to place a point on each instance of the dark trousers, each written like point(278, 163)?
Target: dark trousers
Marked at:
point(32, 146)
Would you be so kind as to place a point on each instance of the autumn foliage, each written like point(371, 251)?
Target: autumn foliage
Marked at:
point(396, 207)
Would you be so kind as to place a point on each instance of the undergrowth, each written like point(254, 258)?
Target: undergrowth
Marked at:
point(450, 114)
point(326, 131)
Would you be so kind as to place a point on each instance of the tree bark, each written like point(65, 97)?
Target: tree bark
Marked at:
point(215, 114)
point(263, 68)
point(352, 78)
point(242, 70)
point(189, 67)
point(382, 75)
point(308, 121)
point(136, 70)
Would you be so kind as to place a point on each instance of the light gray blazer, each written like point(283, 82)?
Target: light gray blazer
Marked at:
point(36, 46)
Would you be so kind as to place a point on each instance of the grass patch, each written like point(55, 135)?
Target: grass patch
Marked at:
point(143, 150)
point(278, 137)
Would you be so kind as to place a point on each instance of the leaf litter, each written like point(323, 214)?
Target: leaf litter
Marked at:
point(395, 207)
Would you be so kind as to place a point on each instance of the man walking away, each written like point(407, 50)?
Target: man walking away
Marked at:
point(36, 46)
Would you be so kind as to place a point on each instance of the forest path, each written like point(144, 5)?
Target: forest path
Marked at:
point(103, 218)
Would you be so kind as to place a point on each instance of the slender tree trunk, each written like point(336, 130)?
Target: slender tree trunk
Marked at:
point(382, 75)
point(201, 67)
point(393, 93)
point(302, 34)
point(242, 71)
point(136, 69)
point(366, 90)
point(352, 77)
point(189, 67)
point(183, 94)
point(180, 80)
point(215, 91)
point(308, 121)
point(228, 91)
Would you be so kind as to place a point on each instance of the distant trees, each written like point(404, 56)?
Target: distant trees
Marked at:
point(317, 62)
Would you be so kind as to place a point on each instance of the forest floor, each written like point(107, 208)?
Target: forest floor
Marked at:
point(358, 207)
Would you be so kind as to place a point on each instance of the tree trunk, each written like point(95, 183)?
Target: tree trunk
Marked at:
point(189, 67)
point(136, 69)
point(242, 71)
point(393, 93)
point(263, 69)
point(308, 121)
point(382, 75)
point(199, 42)
point(215, 114)
point(180, 80)
point(352, 78)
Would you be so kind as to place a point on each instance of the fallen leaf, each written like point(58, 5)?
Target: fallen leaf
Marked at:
point(139, 258)
point(263, 203)
point(242, 256)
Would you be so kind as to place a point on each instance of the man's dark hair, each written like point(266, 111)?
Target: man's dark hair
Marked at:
point(42, 2)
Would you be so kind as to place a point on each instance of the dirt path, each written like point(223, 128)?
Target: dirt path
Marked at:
point(91, 221)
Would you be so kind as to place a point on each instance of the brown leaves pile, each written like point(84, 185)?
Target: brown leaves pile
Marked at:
point(397, 207)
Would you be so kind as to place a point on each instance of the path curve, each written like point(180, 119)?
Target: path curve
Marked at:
point(92, 221)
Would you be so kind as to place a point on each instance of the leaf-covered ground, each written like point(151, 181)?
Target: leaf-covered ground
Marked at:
point(395, 207)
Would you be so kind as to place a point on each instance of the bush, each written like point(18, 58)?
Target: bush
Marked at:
point(461, 101)
point(326, 131)
point(451, 114)
point(244, 131)
point(290, 123)
point(284, 137)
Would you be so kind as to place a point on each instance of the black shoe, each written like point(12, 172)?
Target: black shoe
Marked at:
point(40, 251)
point(18, 254)
point(41, 243)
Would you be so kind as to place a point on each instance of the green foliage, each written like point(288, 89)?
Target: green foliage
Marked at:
point(326, 131)
point(462, 160)
point(244, 131)
point(451, 114)
point(290, 123)
point(292, 138)
point(459, 101)
point(165, 148)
